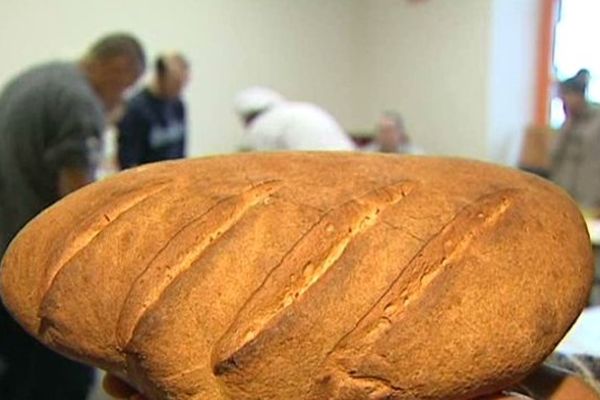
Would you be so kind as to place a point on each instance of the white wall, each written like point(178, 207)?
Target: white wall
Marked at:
point(459, 70)
point(512, 76)
point(303, 48)
point(429, 60)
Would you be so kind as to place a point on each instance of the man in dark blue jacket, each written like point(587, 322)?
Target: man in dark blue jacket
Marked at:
point(153, 127)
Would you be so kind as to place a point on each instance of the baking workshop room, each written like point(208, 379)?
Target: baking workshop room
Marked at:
point(300, 200)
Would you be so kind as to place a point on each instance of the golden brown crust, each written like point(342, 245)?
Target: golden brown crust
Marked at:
point(306, 276)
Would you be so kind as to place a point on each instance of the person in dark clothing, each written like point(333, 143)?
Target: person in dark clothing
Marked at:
point(583, 76)
point(52, 118)
point(154, 125)
point(575, 164)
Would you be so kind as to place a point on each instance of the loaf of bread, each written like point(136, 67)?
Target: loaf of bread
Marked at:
point(305, 276)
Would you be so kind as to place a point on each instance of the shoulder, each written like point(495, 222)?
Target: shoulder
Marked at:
point(140, 100)
point(593, 122)
point(64, 78)
point(309, 112)
point(51, 80)
point(63, 89)
point(307, 108)
point(313, 115)
point(71, 88)
point(294, 113)
point(140, 106)
point(594, 112)
point(48, 72)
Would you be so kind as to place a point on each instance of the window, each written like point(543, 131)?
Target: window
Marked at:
point(576, 46)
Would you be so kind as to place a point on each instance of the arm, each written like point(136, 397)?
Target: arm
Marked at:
point(73, 146)
point(72, 178)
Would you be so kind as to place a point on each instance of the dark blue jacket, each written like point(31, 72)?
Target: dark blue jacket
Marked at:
point(152, 129)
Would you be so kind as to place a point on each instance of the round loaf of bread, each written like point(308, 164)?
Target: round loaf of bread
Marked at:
point(305, 276)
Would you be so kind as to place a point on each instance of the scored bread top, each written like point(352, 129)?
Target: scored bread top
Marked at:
point(305, 276)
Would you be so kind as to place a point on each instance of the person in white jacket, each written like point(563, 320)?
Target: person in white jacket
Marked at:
point(273, 123)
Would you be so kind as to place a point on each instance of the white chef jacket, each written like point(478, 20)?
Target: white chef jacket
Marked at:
point(296, 126)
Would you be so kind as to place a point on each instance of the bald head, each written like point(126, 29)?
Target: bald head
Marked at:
point(172, 72)
point(118, 45)
point(112, 65)
point(391, 132)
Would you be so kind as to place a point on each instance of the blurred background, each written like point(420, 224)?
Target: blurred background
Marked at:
point(463, 73)
point(468, 78)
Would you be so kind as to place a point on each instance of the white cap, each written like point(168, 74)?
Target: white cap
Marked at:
point(256, 99)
